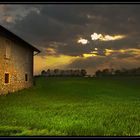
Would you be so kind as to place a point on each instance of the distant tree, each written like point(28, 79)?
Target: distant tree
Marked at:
point(78, 73)
point(117, 72)
point(48, 72)
point(43, 72)
point(98, 73)
point(135, 71)
point(56, 71)
point(105, 72)
point(83, 72)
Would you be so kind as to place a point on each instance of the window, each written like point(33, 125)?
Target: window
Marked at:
point(6, 78)
point(27, 57)
point(26, 77)
point(8, 51)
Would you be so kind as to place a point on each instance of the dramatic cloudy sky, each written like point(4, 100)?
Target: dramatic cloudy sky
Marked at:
point(72, 36)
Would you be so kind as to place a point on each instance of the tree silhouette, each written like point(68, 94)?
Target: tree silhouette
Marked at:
point(83, 72)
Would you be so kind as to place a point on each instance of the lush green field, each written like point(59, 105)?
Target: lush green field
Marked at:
point(73, 107)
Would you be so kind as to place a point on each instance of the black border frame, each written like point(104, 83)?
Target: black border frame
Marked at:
point(20, 2)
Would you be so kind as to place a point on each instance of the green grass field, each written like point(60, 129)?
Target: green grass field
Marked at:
point(73, 107)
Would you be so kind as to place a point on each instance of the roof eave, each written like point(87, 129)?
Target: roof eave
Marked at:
point(20, 39)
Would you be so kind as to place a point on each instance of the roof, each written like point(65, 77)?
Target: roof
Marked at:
point(12, 36)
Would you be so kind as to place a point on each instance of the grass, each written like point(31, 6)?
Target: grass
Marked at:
point(62, 106)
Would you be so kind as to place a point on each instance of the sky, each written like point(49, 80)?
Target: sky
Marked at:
point(78, 36)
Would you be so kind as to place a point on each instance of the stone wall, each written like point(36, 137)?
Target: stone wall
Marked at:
point(19, 63)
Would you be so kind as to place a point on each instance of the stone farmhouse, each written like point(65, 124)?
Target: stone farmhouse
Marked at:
point(16, 62)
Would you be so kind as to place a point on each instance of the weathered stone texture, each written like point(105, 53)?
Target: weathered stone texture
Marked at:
point(19, 63)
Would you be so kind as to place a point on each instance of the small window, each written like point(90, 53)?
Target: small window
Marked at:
point(27, 57)
point(26, 77)
point(8, 52)
point(6, 78)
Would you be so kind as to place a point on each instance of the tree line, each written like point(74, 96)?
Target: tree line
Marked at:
point(58, 72)
point(118, 72)
point(98, 73)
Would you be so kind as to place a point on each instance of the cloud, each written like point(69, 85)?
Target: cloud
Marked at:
point(8, 19)
point(101, 37)
point(89, 54)
point(83, 41)
point(11, 13)
point(68, 14)
point(123, 52)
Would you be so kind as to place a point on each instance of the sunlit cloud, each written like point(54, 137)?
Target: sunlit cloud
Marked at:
point(94, 52)
point(122, 51)
point(10, 14)
point(108, 51)
point(8, 19)
point(101, 37)
point(83, 41)
point(91, 54)
point(50, 51)
point(96, 36)
point(53, 62)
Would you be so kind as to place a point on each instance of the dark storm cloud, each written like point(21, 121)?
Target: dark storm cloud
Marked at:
point(12, 13)
point(69, 14)
point(128, 42)
point(115, 18)
point(63, 23)
point(88, 62)
point(46, 28)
